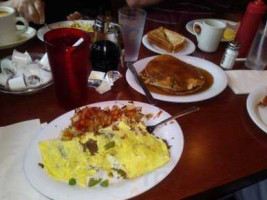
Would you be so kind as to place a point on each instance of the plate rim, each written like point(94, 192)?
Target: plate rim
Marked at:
point(40, 35)
point(188, 24)
point(175, 158)
point(29, 34)
point(251, 106)
point(181, 99)
point(151, 48)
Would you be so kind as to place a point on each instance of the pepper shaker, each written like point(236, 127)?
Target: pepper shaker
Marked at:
point(230, 54)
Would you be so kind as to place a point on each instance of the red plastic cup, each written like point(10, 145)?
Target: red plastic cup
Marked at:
point(69, 65)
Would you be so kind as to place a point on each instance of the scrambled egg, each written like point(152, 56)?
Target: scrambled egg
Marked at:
point(229, 34)
point(79, 25)
point(120, 150)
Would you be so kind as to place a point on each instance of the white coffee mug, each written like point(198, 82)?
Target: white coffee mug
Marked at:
point(210, 34)
point(8, 29)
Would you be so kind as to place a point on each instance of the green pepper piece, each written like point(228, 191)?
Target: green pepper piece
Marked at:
point(109, 145)
point(72, 181)
point(93, 182)
point(104, 183)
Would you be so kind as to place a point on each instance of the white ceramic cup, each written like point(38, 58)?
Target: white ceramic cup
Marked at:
point(8, 29)
point(210, 34)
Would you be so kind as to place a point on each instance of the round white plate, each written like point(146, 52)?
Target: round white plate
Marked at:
point(44, 29)
point(219, 80)
point(125, 189)
point(257, 113)
point(29, 34)
point(230, 24)
point(190, 48)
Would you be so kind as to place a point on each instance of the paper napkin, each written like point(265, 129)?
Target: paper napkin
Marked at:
point(14, 140)
point(245, 81)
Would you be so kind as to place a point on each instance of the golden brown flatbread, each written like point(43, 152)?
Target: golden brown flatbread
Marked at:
point(173, 75)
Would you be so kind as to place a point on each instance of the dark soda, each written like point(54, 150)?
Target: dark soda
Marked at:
point(69, 65)
point(105, 55)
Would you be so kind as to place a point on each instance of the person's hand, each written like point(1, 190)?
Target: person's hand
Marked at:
point(74, 16)
point(142, 3)
point(31, 10)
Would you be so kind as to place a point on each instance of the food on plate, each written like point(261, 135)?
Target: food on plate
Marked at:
point(91, 119)
point(166, 39)
point(172, 75)
point(109, 152)
point(229, 34)
point(263, 102)
point(79, 25)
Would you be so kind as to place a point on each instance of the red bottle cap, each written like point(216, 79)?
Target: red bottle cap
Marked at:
point(257, 6)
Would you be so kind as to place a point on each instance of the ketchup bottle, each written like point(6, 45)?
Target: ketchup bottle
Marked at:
point(249, 25)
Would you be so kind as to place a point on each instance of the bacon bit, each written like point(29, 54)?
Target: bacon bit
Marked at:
point(91, 145)
point(158, 114)
point(149, 116)
point(263, 103)
point(123, 137)
point(171, 122)
point(143, 133)
point(115, 128)
point(41, 165)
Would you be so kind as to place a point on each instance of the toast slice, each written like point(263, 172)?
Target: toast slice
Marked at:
point(166, 39)
point(158, 38)
point(178, 41)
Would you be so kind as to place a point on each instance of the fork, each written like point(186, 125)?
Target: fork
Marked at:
point(151, 128)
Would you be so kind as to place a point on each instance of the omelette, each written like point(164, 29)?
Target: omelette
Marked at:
point(121, 150)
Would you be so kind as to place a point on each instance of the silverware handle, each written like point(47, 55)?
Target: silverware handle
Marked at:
point(180, 114)
point(141, 83)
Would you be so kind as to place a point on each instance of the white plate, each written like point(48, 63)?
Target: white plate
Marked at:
point(29, 34)
point(190, 48)
point(37, 177)
point(258, 114)
point(230, 24)
point(44, 29)
point(219, 82)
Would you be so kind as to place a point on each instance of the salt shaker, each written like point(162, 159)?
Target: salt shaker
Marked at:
point(230, 54)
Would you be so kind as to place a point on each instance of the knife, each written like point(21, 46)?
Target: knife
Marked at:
point(141, 83)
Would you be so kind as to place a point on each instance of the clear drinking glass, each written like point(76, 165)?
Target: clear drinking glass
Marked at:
point(257, 57)
point(132, 22)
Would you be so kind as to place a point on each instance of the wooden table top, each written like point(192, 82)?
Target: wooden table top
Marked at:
point(223, 149)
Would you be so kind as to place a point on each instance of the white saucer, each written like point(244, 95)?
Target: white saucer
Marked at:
point(46, 76)
point(29, 34)
point(190, 48)
point(230, 24)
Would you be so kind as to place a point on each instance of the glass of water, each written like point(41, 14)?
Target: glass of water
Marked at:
point(257, 57)
point(132, 22)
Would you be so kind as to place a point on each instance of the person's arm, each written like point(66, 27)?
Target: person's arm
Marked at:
point(142, 3)
point(31, 10)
